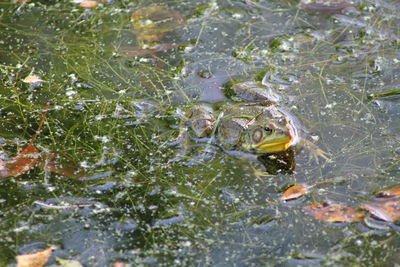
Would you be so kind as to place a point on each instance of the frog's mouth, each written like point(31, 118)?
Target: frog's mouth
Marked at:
point(273, 144)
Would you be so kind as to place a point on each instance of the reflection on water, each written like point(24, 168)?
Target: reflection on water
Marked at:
point(143, 209)
point(283, 162)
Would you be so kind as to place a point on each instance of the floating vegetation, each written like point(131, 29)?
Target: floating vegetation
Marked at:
point(325, 6)
point(394, 92)
point(114, 179)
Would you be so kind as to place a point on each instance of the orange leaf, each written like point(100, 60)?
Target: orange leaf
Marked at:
point(25, 160)
point(391, 192)
point(22, 163)
point(89, 3)
point(386, 209)
point(38, 259)
point(332, 212)
point(294, 192)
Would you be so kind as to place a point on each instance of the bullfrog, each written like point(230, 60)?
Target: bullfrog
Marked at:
point(253, 122)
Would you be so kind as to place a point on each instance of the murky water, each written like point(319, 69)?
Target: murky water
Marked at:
point(116, 195)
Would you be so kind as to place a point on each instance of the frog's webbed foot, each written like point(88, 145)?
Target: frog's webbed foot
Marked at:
point(199, 154)
point(261, 174)
point(194, 143)
point(191, 152)
point(181, 141)
point(314, 150)
point(195, 155)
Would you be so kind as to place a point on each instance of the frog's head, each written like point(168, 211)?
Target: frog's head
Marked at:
point(269, 139)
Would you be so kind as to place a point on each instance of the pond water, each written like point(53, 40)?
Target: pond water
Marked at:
point(109, 188)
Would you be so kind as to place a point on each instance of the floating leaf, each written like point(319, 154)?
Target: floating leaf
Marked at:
point(89, 3)
point(38, 259)
point(384, 209)
point(391, 192)
point(294, 192)
point(152, 22)
point(22, 163)
point(27, 158)
point(32, 79)
point(332, 212)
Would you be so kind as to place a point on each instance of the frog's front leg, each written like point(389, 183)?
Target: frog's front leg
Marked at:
point(314, 150)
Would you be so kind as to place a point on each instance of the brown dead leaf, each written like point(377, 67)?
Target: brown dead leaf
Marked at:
point(89, 3)
point(32, 79)
point(294, 192)
point(31, 157)
point(27, 158)
point(333, 212)
point(22, 163)
point(384, 209)
point(391, 192)
point(38, 259)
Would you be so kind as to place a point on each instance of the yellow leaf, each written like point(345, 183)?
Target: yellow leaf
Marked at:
point(32, 79)
point(68, 263)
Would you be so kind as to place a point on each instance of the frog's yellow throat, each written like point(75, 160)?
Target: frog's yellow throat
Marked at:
point(273, 144)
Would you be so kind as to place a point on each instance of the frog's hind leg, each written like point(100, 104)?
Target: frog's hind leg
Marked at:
point(182, 144)
point(192, 151)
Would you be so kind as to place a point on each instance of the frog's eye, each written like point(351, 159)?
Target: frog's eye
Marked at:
point(257, 135)
point(268, 130)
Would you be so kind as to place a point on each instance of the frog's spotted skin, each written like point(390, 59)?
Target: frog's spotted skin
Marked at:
point(256, 128)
